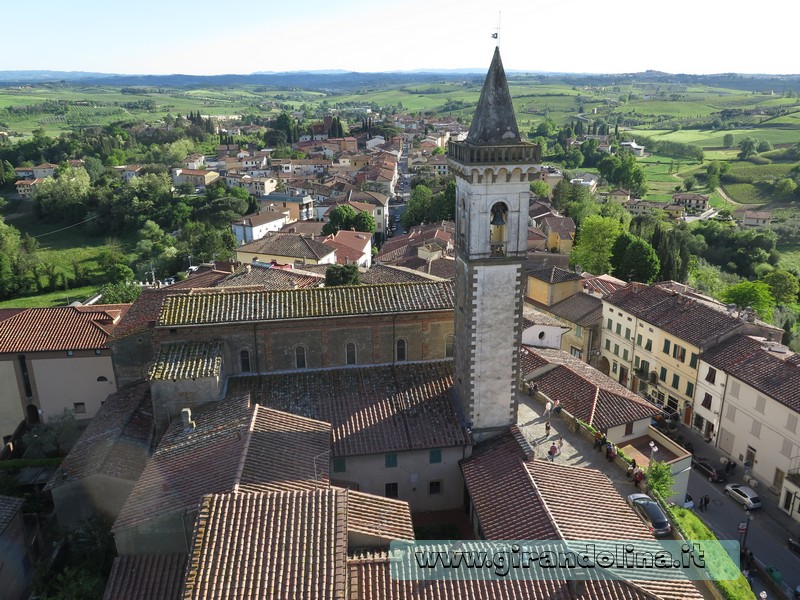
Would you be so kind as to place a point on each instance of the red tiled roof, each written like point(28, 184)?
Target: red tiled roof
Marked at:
point(378, 517)
point(686, 319)
point(603, 284)
point(144, 312)
point(499, 465)
point(585, 392)
point(374, 409)
point(279, 545)
point(260, 275)
point(230, 305)
point(748, 360)
point(187, 360)
point(116, 443)
point(60, 328)
point(234, 446)
point(146, 577)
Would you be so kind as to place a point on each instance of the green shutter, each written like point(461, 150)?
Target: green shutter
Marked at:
point(693, 361)
point(690, 389)
point(663, 375)
point(666, 346)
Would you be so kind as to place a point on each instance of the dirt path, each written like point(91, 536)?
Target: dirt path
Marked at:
point(727, 198)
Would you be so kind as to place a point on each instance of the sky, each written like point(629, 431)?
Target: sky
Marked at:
point(207, 37)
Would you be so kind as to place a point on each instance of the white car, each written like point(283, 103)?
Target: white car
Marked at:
point(744, 495)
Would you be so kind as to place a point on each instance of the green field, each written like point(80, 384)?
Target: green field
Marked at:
point(708, 138)
point(61, 298)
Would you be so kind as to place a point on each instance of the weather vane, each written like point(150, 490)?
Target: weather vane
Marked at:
point(496, 34)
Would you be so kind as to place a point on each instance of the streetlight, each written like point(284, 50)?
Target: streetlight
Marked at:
point(744, 527)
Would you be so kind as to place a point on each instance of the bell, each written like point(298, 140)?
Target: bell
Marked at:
point(497, 218)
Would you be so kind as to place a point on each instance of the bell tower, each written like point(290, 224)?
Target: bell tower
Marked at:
point(493, 169)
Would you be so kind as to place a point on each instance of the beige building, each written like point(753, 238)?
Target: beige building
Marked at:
point(747, 405)
point(653, 337)
point(549, 285)
point(55, 359)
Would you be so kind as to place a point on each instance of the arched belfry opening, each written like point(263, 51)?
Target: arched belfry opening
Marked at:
point(498, 229)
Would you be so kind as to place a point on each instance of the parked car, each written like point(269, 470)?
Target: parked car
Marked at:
point(688, 502)
point(744, 495)
point(650, 512)
point(705, 467)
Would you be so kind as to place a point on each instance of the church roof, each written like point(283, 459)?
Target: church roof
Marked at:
point(494, 122)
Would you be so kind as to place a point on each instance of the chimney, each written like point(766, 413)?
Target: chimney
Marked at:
point(186, 417)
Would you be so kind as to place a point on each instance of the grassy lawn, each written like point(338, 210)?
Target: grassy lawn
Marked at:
point(693, 528)
point(705, 137)
point(60, 298)
point(790, 257)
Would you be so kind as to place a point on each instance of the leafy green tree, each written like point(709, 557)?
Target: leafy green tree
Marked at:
point(436, 151)
point(120, 293)
point(727, 140)
point(755, 294)
point(63, 198)
point(689, 183)
point(573, 159)
point(365, 222)
point(442, 206)
point(764, 146)
point(634, 259)
point(52, 438)
point(342, 275)
point(540, 189)
point(340, 218)
point(659, 479)
point(785, 187)
point(783, 285)
point(417, 206)
point(595, 239)
point(615, 210)
point(546, 128)
point(747, 148)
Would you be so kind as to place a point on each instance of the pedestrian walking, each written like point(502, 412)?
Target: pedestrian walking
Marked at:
point(560, 443)
point(556, 406)
point(552, 452)
point(631, 468)
point(701, 503)
point(706, 502)
point(638, 475)
point(547, 429)
point(547, 409)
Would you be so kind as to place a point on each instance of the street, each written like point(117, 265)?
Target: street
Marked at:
point(766, 538)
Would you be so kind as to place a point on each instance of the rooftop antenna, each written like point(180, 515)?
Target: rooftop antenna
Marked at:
point(496, 34)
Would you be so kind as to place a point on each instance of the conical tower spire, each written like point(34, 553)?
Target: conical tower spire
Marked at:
point(494, 122)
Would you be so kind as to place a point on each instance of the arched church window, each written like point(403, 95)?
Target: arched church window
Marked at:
point(400, 350)
point(498, 229)
point(448, 346)
point(350, 351)
point(300, 357)
point(244, 361)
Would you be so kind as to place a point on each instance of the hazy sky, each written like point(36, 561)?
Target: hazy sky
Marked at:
point(212, 37)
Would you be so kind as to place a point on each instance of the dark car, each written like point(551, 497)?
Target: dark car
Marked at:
point(650, 512)
point(703, 466)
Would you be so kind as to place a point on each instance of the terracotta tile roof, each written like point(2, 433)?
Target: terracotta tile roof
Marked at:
point(287, 244)
point(687, 319)
point(261, 275)
point(345, 254)
point(583, 309)
point(561, 502)
point(378, 517)
point(369, 578)
point(602, 284)
point(187, 465)
point(372, 410)
point(564, 227)
point(187, 360)
point(378, 273)
point(280, 545)
point(143, 313)
point(574, 496)
point(499, 465)
point(117, 442)
point(748, 360)
point(443, 268)
point(9, 312)
point(231, 305)
point(60, 328)
point(9, 509)
point(585, 392)
point(531, 317)
point(285, 451)
point(201, 279)
point(234, 446)
point(550, 274)
point(146, 577)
